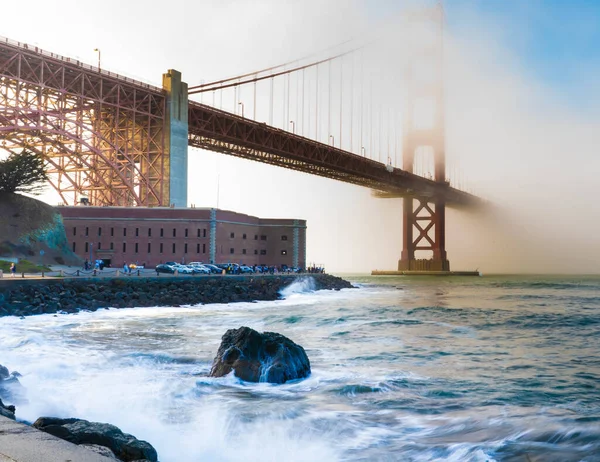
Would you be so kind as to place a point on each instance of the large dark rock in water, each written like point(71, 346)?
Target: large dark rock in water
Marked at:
point(125, 447)
point(7, 411)
point(255, 357)
point(10, 388)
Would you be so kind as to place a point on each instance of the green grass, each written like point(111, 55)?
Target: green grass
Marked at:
point(24, 266)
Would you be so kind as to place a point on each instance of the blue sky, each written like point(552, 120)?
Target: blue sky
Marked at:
point(556, 41)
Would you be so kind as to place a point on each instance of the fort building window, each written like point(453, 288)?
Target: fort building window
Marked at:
point(263, 252)
point(112, 246)
point(232, 250)
point(263, 237)
point(87, 246)
point(198, 230)
point(174, 232)
point(244, 251)
point(185, 248)
point(231, 235)
point(112, 232)
point(173, 247)
point(255, 252)
point(244, 236)
point(137, 232)
point(99, 245)
point(284, 238)
point(99, 231)
point(204, 232)
point(73, 247)
point(124, 247)
point(197, 248)
point(161, 248)
point(162, 232)
point(149, 247)
point(124, 232)
point(149, 232)
point(203, 248)
point(87, 231)
point(186, 232)
point(74, 231)
point(256, 237)
point(136, 247)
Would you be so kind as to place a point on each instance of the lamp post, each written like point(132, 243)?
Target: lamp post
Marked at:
point(97, 50)
point(242, 104)
point(363, 151)
point(293, 124)
point(91, 254)
point(332, 138)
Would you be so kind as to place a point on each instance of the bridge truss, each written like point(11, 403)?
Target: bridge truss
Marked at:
point(100, 134)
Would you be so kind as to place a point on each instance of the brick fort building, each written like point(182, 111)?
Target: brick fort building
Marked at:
point(153, 235)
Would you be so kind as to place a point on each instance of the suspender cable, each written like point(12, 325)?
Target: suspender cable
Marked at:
point(254, 104)
point(362, 109)
point(271, 104)
point(286, 123)
point(351, 101)
point(341, 97)
point(317, 108)
point(303, 76)
point(329, 102)
point(283, 125)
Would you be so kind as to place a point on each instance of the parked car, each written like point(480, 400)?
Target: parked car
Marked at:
point(213, 268)
point(199, 269)
point(231, 268)
point(162, 268)
point(246, 269)
point(182, 269)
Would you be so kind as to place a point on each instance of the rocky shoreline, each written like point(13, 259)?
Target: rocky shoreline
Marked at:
point(30, 297)
point(70, 295)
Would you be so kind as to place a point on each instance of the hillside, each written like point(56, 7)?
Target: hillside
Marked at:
point(28, 226)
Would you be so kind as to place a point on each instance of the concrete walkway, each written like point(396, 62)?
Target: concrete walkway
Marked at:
point(22, 443)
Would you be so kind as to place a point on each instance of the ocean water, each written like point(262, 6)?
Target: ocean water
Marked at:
point(499, 368)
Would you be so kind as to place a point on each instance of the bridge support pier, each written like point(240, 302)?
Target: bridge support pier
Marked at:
point(430, 224)
point(176, 137)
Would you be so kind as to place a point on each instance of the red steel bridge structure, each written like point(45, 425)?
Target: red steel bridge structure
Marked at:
point(116, 141)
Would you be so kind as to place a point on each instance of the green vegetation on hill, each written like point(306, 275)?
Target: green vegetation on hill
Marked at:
point(24, 266)
point(28, 227)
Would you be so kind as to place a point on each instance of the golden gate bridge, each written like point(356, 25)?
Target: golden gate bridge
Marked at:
point(354, 115)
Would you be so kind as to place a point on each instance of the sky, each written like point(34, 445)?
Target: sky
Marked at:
point(522, 115)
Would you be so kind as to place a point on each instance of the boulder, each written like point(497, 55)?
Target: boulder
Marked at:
point(125, 447)
point(7, 411)
point(255, 357)
point(10, 389)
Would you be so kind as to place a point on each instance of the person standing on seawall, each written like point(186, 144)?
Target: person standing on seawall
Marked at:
point(13, 270)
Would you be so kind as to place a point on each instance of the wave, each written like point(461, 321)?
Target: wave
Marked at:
point(299, 286)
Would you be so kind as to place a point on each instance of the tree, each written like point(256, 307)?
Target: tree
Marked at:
point(22, 172)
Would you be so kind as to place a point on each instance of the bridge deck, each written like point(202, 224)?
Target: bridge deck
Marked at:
point(221, 131)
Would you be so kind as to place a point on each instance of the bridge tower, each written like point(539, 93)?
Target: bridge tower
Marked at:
point(424, 219)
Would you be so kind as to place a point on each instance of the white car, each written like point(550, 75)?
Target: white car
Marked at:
point(200, 269)
point(182, 269)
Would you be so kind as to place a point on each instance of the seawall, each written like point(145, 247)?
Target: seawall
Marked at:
point(25, 297)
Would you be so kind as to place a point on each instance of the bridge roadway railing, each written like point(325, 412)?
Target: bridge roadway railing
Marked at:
point(78, 63)
point(221, 131)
